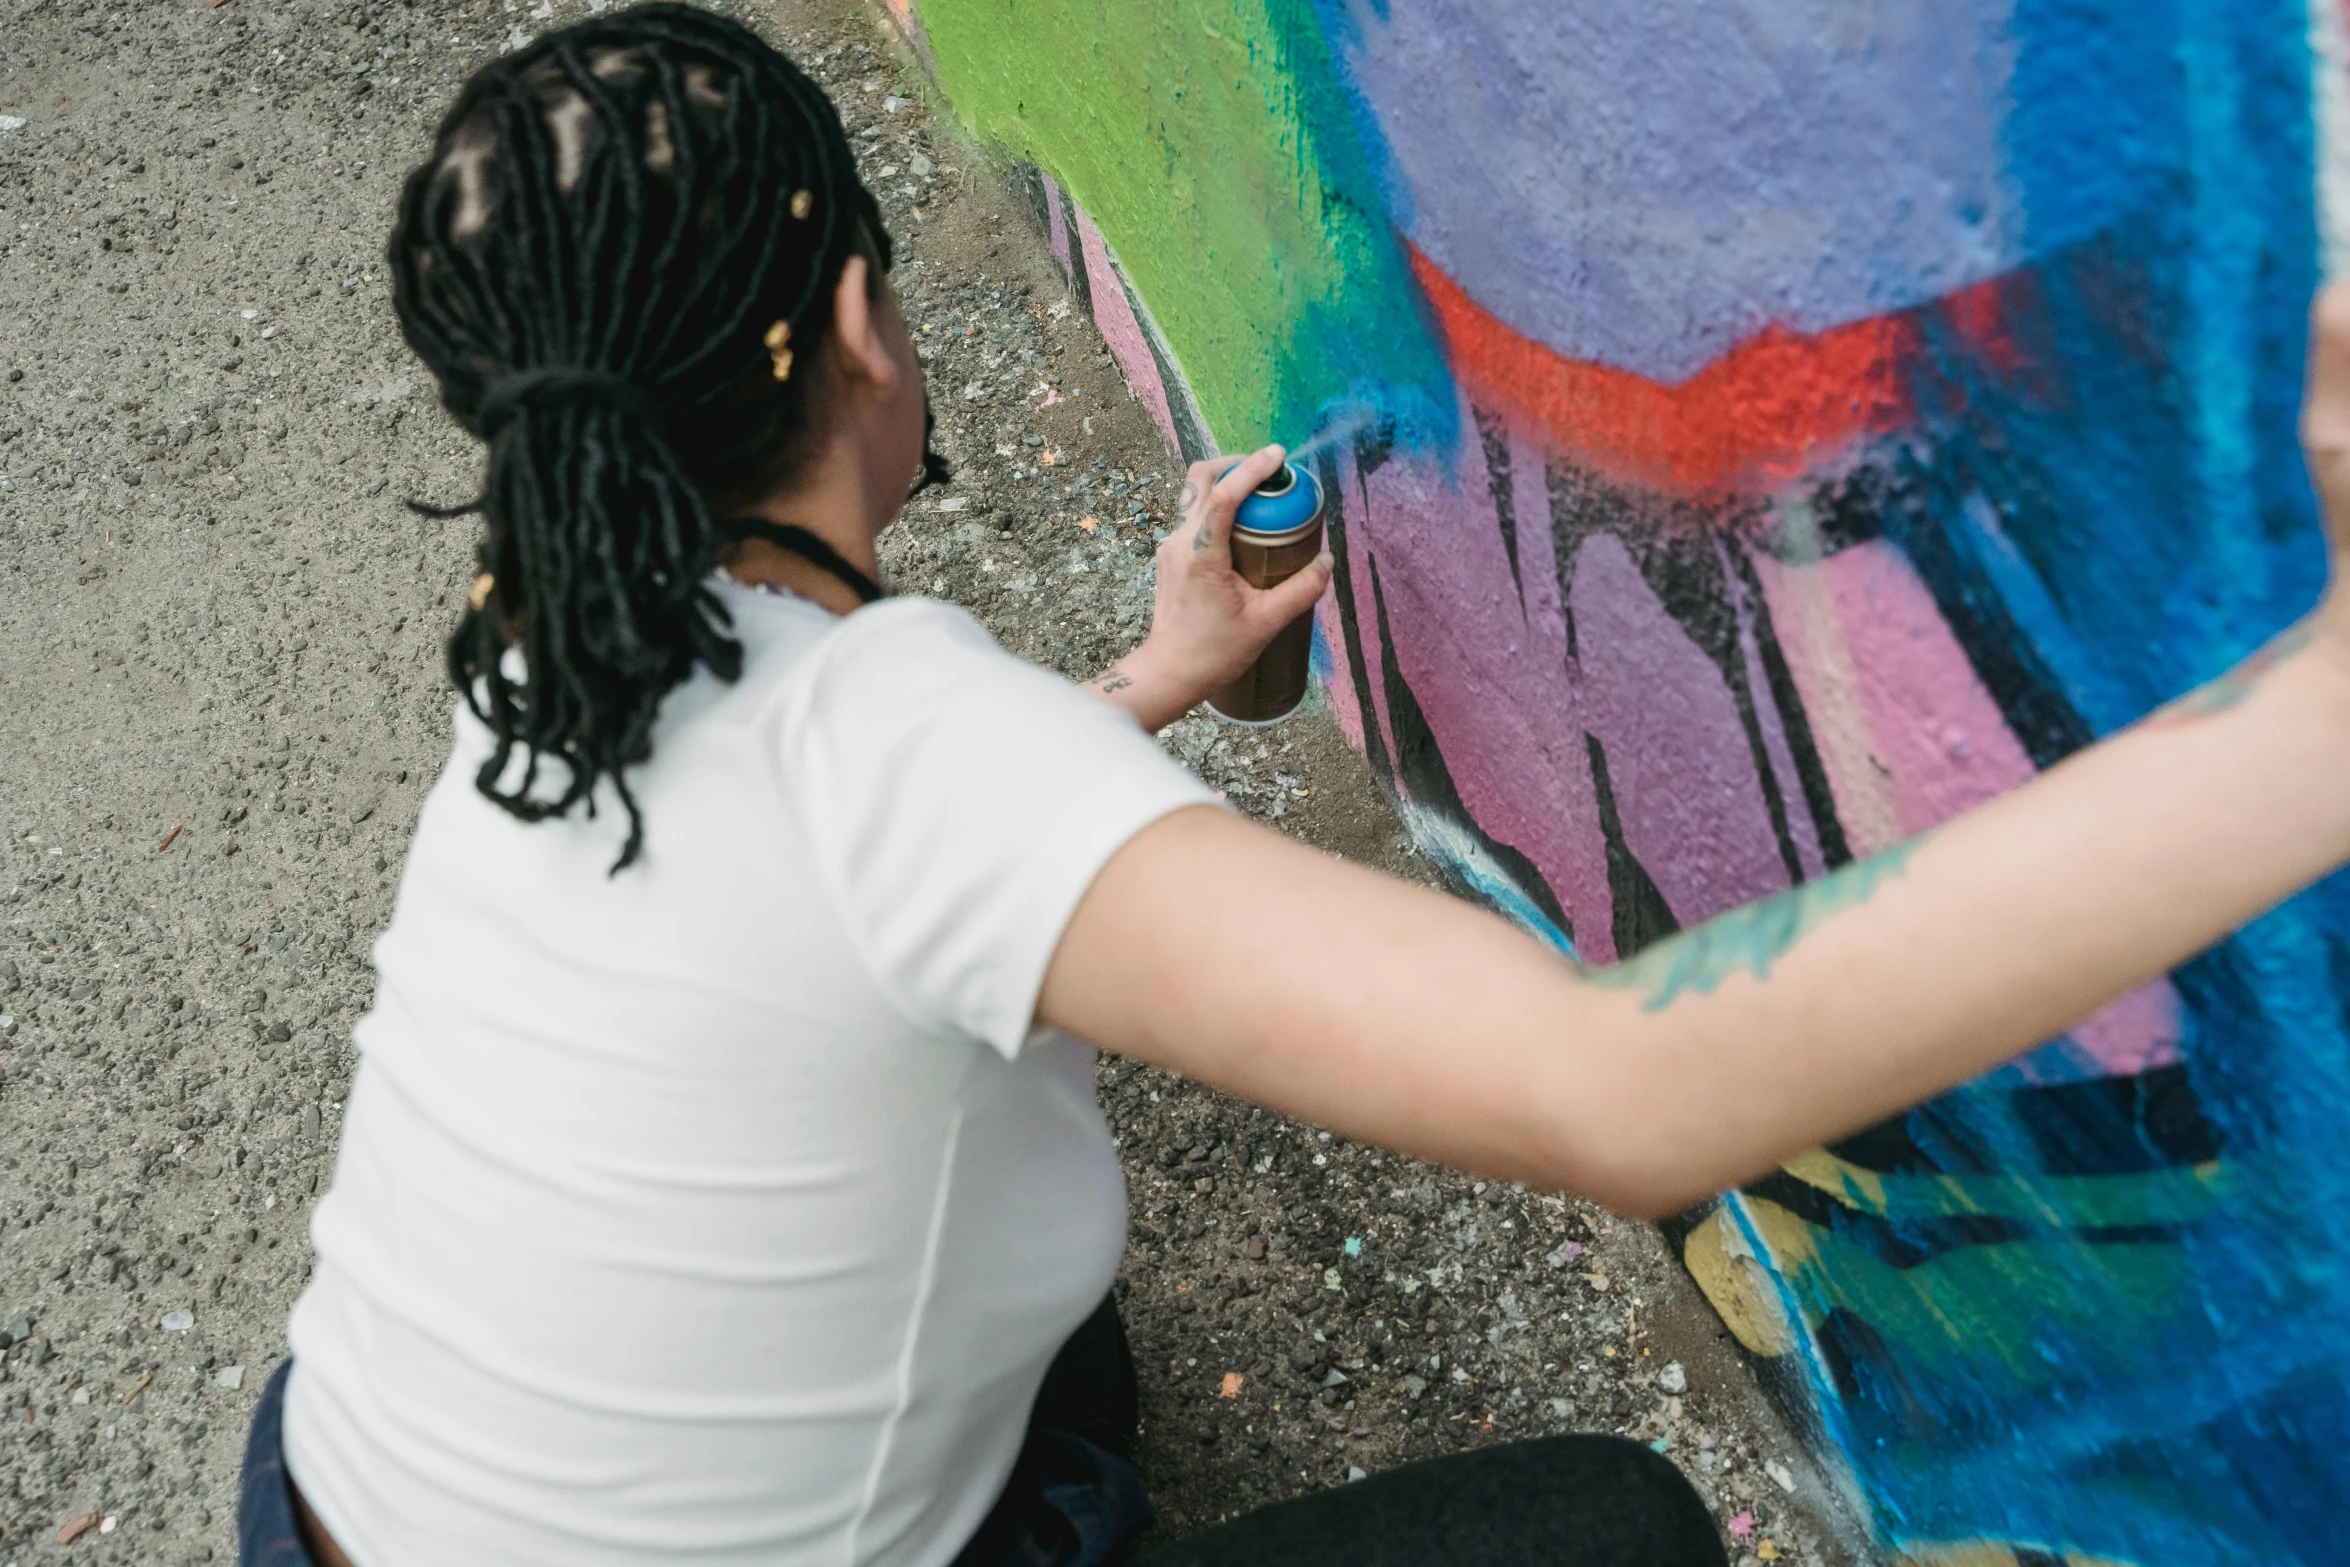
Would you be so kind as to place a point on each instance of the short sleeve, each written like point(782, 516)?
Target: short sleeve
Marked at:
point(960, 802)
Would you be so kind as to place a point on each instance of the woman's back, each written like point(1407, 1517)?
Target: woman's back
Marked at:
point(687, 1209)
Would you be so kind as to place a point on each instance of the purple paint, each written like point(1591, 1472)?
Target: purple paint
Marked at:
point(1685, 788)
point(1679, 174)
point(1489, 683)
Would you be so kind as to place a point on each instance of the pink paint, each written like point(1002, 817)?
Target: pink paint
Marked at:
point(2137, 1033)
point(1677, 754)
point(1500, 703)
point(1538, 594)
point(1056, 227)
point(1934, 737)
point(1339, 683)
point(902, 13)
point(1891, 676)
point(1801, 829)
point(1120, 328)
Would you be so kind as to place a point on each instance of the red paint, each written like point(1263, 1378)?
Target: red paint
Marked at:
point(1770, 409)
point(1982, 318)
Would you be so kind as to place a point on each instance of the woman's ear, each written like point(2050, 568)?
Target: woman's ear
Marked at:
point(856, 319)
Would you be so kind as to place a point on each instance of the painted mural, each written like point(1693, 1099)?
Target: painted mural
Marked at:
point(1759, 429)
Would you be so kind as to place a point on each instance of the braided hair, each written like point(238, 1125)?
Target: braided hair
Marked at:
point(594, 262)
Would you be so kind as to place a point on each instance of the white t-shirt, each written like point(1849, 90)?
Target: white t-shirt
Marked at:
point(728, 1210)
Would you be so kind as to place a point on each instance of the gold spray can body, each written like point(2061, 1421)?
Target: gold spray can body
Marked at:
point(1276, 533)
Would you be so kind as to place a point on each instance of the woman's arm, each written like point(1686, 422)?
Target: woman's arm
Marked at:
point(1406, 1018)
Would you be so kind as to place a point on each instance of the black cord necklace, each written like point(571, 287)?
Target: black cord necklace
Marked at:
point(799, 541)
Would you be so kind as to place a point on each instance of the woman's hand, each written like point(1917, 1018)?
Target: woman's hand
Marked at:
point(1207, 623)
point(2325, 439)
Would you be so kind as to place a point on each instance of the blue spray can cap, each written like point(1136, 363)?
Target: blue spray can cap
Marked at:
point(1289, 499)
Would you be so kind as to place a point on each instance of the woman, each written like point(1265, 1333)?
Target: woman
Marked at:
point(722, 1175)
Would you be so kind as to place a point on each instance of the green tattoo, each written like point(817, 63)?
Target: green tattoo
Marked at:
point(2238, 683)
point(1748, 940)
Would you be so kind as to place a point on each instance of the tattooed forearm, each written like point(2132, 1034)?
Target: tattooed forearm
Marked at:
point(1185, 506)
point(1748, 940)
point(2238, 683)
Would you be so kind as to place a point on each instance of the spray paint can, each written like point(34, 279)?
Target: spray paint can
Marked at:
point(1276, 534)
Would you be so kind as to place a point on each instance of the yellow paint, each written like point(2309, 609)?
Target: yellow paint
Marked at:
point(1739, 1287)
point(1974, 1553)
point(2179, 1196)
point(1983, 1553)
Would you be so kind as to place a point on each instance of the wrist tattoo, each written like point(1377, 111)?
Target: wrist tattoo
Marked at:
point(1184, 508)
point(1114, 680)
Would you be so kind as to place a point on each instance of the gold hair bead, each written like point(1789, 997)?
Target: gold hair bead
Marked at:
point(802, 203)
point(779, 346)
point(481, 591)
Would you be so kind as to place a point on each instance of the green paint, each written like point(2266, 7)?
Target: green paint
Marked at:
point(1210, 142)
point(2172, 1195)
point(1957, 1316)
point(1748, 940)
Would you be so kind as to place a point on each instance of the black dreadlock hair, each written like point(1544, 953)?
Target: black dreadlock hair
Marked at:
point(612, 221)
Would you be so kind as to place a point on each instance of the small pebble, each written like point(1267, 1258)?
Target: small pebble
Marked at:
point(1673, 1379)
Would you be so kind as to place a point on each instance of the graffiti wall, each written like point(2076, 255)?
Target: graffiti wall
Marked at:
point(1760, 429)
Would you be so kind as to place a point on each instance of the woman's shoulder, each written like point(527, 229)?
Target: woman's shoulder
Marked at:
point(902, 649)
point(806, 633)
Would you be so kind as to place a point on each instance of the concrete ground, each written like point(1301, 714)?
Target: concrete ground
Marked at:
point(220, 666)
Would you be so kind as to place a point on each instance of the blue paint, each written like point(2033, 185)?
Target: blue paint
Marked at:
point(2132, 517)
point(1370, 349)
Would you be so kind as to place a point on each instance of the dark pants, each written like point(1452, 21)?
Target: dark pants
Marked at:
point(1075, 1501)
point(1569, 1501)
point(267, 1535)
point(1564, 1501)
